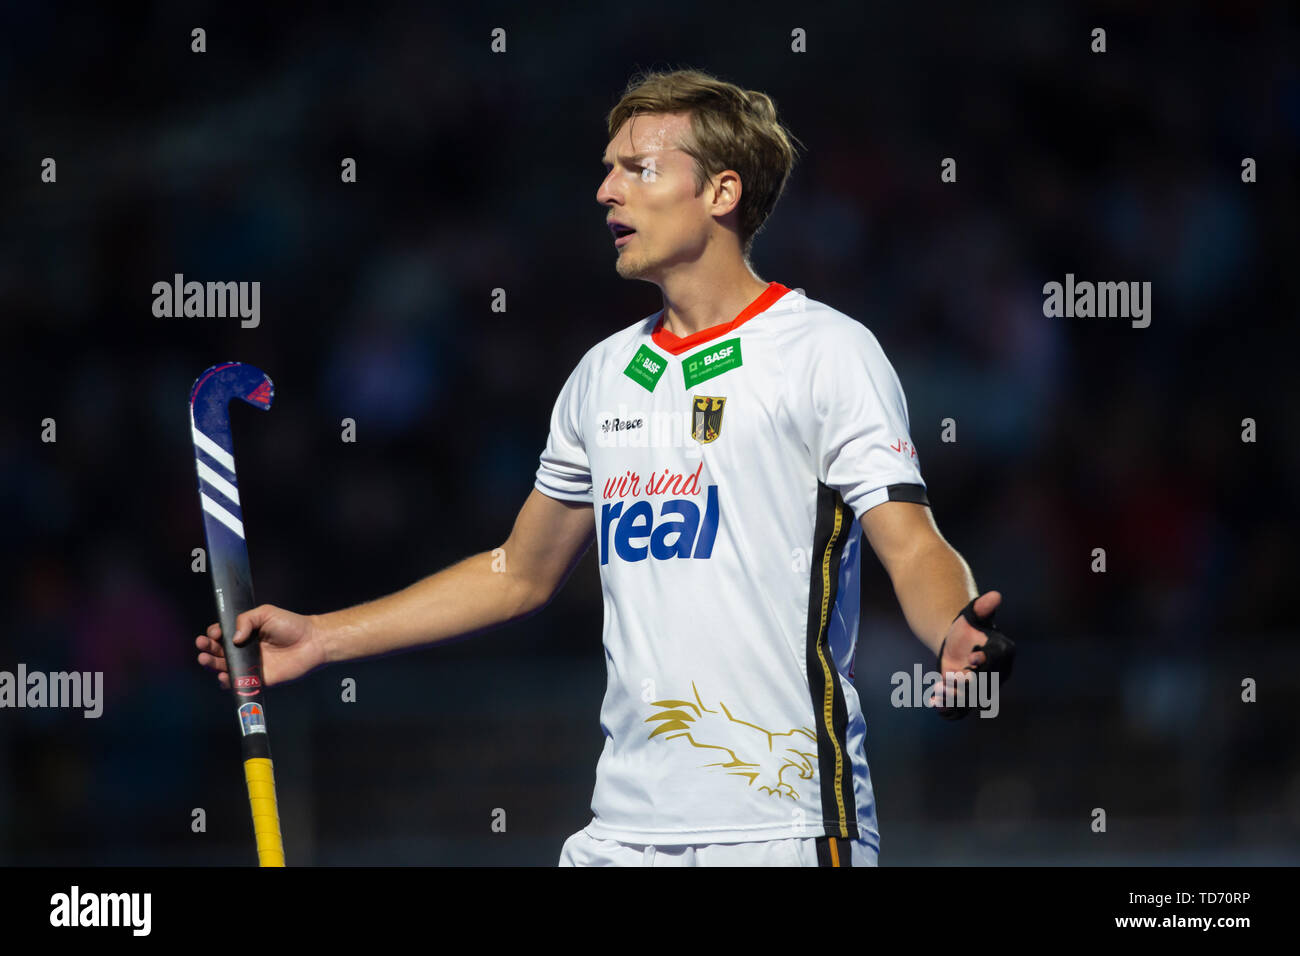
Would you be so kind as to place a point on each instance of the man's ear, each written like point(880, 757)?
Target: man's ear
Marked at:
point(726, 184)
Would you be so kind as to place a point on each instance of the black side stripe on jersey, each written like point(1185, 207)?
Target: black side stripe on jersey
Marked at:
point(913, 493)
point(835, 771)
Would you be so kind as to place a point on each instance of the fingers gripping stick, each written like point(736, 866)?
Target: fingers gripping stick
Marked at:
point(232, 581)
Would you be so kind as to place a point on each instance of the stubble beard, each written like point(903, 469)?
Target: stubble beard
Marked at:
point(629, 267)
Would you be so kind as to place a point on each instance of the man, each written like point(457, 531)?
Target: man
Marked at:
point(723, 447)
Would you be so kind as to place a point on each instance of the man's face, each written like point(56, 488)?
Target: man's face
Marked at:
point(650, 186)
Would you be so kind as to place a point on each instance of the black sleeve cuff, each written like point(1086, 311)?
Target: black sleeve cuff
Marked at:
point(907, 492)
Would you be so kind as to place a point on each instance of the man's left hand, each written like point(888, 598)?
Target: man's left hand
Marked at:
point(972, 644)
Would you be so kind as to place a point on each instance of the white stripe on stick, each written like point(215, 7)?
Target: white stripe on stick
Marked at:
point(217, 482)
point(223, 457)
point(222, 515)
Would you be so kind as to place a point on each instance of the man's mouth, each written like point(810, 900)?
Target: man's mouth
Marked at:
point(622, 233)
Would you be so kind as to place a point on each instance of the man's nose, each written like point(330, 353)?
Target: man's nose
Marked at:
point(606, 195)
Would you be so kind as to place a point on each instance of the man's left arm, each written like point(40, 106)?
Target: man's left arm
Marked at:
point(932, 581)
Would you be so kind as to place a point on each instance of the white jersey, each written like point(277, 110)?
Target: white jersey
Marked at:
point(727, 472)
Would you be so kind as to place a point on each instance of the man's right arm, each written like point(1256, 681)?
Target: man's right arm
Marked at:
point(480, 592)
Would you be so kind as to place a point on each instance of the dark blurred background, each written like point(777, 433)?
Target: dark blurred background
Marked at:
point(478, 171)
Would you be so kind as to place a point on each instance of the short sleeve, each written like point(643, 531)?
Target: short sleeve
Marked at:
point(565, 472)
point(855, 420)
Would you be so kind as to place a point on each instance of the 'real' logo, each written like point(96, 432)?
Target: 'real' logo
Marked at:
point(680, 527)
point(706, 421)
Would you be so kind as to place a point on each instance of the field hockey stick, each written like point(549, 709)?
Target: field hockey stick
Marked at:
point(232, 581)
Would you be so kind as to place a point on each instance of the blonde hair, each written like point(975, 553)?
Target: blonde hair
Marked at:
point(731, 128)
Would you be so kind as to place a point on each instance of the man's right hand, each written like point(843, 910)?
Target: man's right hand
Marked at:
point(291, 644)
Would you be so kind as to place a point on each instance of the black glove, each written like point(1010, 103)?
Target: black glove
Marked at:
point(999, 654)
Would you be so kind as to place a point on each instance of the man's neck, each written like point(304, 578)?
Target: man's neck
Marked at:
point(697, 302)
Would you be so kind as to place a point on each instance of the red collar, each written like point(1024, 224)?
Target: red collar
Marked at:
point(675, 345)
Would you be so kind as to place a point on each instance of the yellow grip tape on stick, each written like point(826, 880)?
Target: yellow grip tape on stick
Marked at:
point(266, 816)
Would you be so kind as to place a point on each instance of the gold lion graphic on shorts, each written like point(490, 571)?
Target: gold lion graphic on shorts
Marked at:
point(770, 760)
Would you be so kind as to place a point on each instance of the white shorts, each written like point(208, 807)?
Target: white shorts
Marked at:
point(583, 849)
